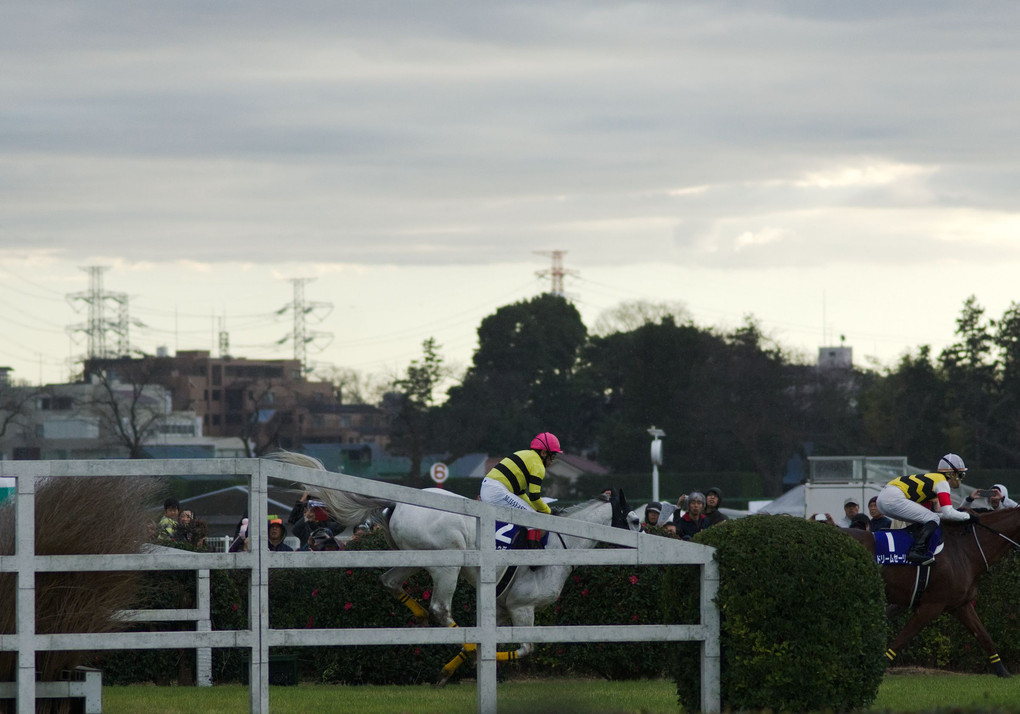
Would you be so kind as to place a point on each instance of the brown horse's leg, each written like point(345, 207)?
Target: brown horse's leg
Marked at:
point(969, 617)
point(920, 619)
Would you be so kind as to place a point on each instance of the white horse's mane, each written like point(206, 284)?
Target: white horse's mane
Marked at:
point(579, 508)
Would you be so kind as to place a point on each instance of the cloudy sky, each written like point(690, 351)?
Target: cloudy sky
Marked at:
point(835, 169)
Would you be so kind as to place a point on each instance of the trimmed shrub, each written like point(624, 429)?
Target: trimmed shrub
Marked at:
point(802, 617)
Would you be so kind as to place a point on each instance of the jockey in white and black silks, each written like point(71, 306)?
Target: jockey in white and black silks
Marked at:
point(516, 481)
point(916, 497)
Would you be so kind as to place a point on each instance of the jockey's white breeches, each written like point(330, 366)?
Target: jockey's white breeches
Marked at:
point(494, 492)
point(892, 502)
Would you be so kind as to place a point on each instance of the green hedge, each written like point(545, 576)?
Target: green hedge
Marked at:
point(303, 598)
point(801, 616)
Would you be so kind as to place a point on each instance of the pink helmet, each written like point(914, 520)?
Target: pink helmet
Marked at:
point(547, 441)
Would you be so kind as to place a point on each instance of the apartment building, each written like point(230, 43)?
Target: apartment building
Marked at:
point(265, 403)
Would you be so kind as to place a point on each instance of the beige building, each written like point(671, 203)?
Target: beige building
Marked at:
point(265, 403)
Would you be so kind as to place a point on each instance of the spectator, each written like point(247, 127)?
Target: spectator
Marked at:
point(878, 521)
point(652, 512)
point(850, 509)
point(713, 500)
point(184, 521)
point(321, 539)
point(822, 518)
point(168, 523)
point(694, 520)
point(997, 495)
point(860, 522)
point(277, 532)
point(314, 517)
point(361, 529)
point(197, 533)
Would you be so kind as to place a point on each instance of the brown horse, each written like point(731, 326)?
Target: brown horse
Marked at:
point(969, 551)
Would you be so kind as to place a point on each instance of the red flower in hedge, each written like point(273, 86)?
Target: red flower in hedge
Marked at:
point(426, 594)
point(350, 572)
point(633, 580)
point(633, 618)
point(584, 593)
point(315, 592)
point(311, 621)
point(348, 605)
point(234, 607)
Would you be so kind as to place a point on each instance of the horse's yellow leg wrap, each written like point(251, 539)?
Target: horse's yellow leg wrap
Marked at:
point(468, 646)
point(450, 667)
point(510, 656)
point(412, 605)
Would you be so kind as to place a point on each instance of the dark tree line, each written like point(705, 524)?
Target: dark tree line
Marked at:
point(728, 401)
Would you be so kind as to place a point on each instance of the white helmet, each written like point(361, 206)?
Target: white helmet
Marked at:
point(952, 462)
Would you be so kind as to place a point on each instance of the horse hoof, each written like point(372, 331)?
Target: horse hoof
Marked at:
point(1001, 671)
point(440, 683)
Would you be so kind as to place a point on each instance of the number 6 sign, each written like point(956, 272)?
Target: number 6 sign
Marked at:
point(439, 472)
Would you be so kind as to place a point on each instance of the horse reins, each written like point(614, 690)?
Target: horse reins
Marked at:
point(981, 550)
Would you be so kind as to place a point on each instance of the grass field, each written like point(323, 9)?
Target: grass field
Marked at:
point(901, 691)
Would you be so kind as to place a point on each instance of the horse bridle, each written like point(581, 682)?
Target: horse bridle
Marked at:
point(1005, 537)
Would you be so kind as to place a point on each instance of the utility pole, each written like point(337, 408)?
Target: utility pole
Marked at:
point(555, 273)
point(300, 335)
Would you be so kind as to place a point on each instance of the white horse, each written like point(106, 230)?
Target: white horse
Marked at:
point(410, 527)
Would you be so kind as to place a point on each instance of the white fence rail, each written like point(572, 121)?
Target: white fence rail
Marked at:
point(637, 549)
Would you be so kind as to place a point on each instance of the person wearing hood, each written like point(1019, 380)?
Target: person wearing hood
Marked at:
point(652, 512)
point(997, 496)
point(277, 532)
point(713, 500)
point(693, 521)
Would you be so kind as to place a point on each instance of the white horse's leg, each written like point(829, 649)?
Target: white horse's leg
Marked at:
point(521, 616)
point(444, 583)
point(393, 580)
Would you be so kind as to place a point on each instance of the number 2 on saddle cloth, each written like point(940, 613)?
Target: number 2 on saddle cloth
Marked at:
point(510, 536)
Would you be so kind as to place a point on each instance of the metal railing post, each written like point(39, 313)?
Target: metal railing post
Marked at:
point(24, 524)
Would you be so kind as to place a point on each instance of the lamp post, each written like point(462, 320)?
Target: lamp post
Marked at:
point(656, 459)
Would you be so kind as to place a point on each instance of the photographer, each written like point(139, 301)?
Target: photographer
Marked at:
point(313, 516)
point(997, 497)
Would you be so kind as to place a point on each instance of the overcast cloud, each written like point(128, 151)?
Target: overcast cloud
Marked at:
point(811, 163)
point(723, 133)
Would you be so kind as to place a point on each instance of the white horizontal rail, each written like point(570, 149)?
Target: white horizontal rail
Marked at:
point(637, 550)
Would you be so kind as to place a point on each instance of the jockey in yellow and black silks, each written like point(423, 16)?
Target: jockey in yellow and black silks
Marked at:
point(516, 481)
point(916, 497)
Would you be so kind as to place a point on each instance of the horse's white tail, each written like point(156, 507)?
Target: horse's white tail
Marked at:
point(349, 509)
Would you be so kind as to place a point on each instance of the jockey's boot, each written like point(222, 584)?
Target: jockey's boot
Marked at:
point(918, 552)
